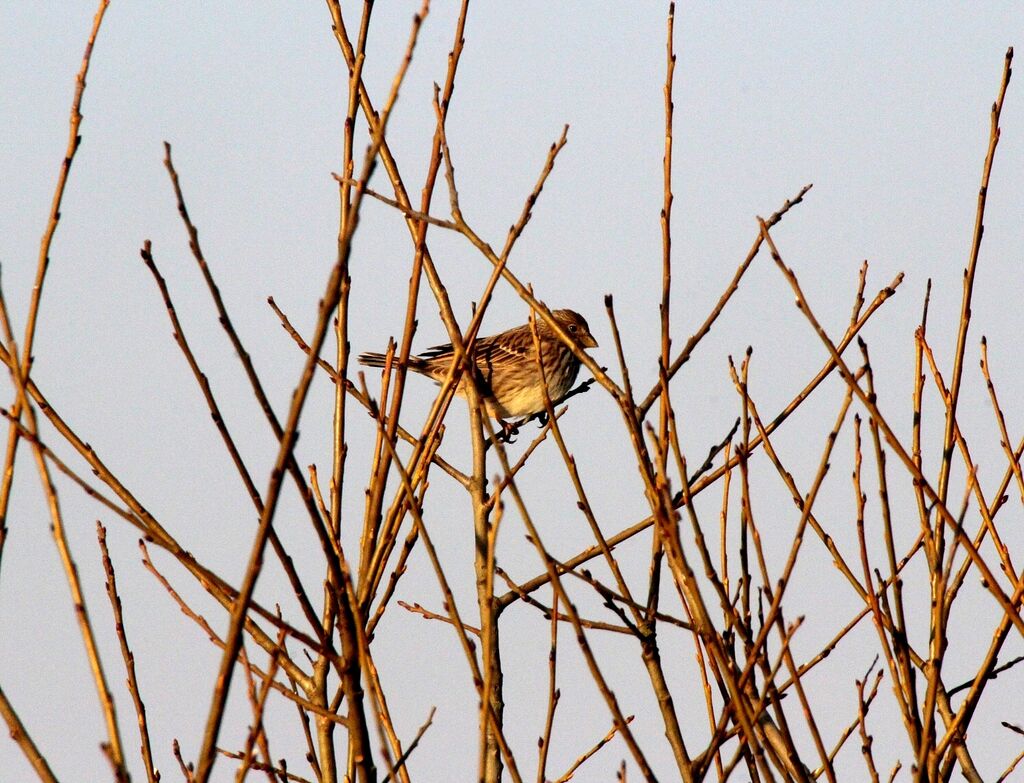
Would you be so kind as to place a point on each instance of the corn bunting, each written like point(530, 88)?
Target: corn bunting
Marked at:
point(506, 366)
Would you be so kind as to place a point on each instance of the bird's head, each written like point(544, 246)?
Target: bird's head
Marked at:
point(576, 325)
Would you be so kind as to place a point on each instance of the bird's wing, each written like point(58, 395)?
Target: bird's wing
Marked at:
point(507, 348)
point(514, 344)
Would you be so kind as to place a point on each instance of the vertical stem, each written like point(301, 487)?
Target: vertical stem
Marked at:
point(113, 747)
point(325, 728)
point(666, 231)
point(491, 698)
point(42, 265)
point(969, 274)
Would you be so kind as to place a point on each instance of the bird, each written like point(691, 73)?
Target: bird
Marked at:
point(506, 363)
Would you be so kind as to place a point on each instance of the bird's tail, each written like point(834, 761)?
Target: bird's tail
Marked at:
point(415, 363)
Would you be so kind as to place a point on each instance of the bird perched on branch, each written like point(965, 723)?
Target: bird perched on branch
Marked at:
point(507, 374)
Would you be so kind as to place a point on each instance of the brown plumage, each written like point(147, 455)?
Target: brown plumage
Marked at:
point(507, 365)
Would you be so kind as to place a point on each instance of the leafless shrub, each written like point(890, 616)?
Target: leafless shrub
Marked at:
point(760, 719)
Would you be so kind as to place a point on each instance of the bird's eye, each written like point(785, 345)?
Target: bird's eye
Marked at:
point(572, 327)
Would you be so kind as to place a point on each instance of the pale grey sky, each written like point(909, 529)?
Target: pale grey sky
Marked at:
point(884, 108)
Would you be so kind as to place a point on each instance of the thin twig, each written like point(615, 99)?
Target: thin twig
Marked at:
point(129, 658)
point(597, 746)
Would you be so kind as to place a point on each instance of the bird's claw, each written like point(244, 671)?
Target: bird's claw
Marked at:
point(508, 432)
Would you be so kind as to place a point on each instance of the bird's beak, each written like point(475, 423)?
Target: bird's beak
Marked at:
point(588, 341)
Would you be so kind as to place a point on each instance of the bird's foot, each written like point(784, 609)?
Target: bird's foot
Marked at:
point(508, 431)
point(542, 419)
